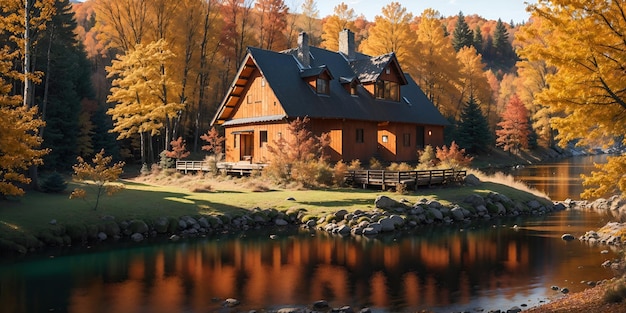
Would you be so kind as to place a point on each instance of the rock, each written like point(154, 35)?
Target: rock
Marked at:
point(320, 304)
point(102, 236)
point(340, 214)
point(370, 231)
point(475, 200)
point(457, 214)
point(174, 238)
point(514, 310)
point(291, 199)
point(342, 230)
point(534, 205)
point(436, 214)
point(343, 309)
point(280, 222)
point(230, 303)
point(568, 237)
point(161, 225)
point(554, 287)
point(204, 223)
point(52, 222)
point(471, 180)
point(136, 237)
point(434, 204)
point(387, 225)
point(290, 310)
point(138, 226)
point(386, 203)
point(564, 290)
point(365, 310)
point(604, 251)
point(310, 223)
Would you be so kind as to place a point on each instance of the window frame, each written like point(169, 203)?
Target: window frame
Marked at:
point(322, 86)
point(360, 135)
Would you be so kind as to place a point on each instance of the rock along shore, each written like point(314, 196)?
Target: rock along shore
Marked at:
point(389, 215)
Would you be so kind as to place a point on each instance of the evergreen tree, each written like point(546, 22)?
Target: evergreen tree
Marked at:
point(472, 131)
point(67, 81)
point(478, 40)
point(462, 35)
point(500, 43)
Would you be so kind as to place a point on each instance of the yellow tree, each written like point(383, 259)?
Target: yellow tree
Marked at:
point(472, 80)
point(391, 33)
point(532, 76)
point(343, 18)
point(122, 23)
point(273, 20)
point(139, 92)
point(436, 67)
point(19, 140)
point(587, 91)
point(100, 176)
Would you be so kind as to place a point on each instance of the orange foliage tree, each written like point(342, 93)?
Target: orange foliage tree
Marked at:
point(514, 130)
point(99, 176)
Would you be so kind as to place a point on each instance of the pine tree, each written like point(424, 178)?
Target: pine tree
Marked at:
point(473, 133)
point(500, 42)
point(462, 36)
point(514, 129)
point(477, 41)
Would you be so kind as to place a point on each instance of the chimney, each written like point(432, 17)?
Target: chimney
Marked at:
point(346, 43)
point(303, 49)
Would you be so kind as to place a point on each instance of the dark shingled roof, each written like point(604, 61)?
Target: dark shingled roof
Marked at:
point(283, 73)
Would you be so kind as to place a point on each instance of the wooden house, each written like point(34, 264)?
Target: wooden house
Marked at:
point(367, 104)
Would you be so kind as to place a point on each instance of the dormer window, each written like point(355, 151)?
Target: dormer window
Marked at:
point(387, 90)
point(322, 86)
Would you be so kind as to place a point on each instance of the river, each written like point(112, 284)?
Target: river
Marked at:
point(485, 266)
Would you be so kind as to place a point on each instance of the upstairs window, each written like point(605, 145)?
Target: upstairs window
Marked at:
point(359, 135)
point(263, 138)
point(387, 90)
point(322, 86)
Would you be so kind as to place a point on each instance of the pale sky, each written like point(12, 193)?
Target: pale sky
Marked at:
point(506, 10)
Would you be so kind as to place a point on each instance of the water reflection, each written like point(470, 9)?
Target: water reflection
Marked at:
point(560, 180)
point(489, 266)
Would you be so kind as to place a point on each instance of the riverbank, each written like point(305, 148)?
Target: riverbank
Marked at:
point(172, 204)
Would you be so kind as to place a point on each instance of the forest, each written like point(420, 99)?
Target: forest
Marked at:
point(129, 76)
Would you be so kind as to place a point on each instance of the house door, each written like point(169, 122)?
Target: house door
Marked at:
point(246, 146)
point(419, 138)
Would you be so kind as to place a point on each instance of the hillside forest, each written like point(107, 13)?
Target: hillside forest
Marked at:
point(132, 76)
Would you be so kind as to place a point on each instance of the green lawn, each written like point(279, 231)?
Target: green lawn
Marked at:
point(32, 213)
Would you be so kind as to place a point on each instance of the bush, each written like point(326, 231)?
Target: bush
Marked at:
point(375, 164)
point(339, 173)
point(399, 167)
point(453, 157)
point(165, 161)
point(355, 165)
point(427, 158)
point(53, 183)
point(616, 294)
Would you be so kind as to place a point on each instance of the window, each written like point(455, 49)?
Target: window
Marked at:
point(235, 140)
point(262, 138)
point(359, 135)
point(322, 86)
point(353, 89)
point(406, 139)
point(248, 99)
point(385, 138)
point(387, 90)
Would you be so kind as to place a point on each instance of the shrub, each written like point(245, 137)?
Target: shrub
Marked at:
point(616, 294)
point(355, 165)
point(454, 156)
point(399, 167)
point(375, 164)
point(427, 157)
point(339, 173)
point(101, 173)
point(53, 183)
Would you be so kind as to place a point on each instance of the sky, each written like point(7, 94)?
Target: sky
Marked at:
point(506, 10)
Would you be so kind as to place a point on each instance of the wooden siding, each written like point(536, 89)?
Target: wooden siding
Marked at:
point(257, 100)
point(260, 153)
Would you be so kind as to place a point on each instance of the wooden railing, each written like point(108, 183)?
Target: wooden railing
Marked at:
point(239, 168)
point(386, 178)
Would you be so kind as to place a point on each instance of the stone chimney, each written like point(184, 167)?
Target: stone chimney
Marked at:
point(303, 49)
point(346, 43)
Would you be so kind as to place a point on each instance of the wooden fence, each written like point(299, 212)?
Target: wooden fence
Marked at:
point(410, 179)
point(233, 168)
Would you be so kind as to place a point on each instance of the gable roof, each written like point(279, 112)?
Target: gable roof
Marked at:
point(283, 73)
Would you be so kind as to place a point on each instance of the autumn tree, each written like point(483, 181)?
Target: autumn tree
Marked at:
point(99, 176)
point(462, 35)
point(19, 139)
point(453, 157)
point(436, 69)
point(310, 13)
point(585, 44)
point(179, 150)
point(391, 33)
point(513, 133)
point(273, 20)
point(472, 80)
point(141, 103)
point(343, 18)
point(296, 157)
point(214, 142)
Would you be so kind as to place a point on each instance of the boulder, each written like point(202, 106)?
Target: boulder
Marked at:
point(568, 237)
point(230, 302)
point(341, 214)
point(386, 203)
point(138, 226)
point(457, 214)
point(102, 236)
point(342, 230)
point(436, 214)
point(475, 200)
point(136, 237)
point(161, 224)
point(471, 180)
point(280, 222)
point(387, 224)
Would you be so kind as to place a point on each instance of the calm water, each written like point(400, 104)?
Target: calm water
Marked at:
point(489, 266)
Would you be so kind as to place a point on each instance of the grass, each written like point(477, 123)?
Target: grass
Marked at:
point(172, 195)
